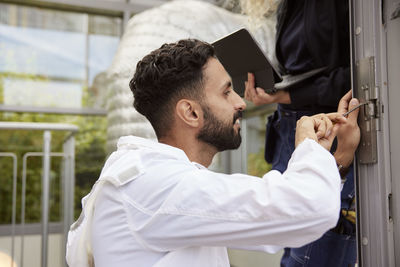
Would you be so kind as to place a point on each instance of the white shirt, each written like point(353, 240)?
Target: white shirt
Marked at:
point(160, 209)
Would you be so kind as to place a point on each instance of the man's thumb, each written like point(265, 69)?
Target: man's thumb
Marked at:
point(353, 102)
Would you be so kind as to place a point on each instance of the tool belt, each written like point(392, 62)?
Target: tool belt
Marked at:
point(347, 221)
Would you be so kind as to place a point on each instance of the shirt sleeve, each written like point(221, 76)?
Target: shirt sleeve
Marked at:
point(206, 208)
point(263, 248)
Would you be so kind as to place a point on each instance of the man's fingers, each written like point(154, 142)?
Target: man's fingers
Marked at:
point(250, 86)
point(320, 127)
point(324, 127)
point(251, 79)
point(348, 96)
point(344, 102)
point(336, 117)
point(353, 115)
point(260, 91)
point(305, 128)
point(334, 132)
point(329, 126)
point(246, 91)
point(328, 120)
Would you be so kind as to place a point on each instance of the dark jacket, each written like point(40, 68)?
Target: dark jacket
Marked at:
point(326, 30)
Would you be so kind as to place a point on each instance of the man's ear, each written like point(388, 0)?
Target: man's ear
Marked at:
point(189, 112)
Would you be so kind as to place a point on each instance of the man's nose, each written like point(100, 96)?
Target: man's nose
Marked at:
point(239, 103)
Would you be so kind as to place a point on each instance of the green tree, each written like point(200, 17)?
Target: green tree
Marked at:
point(90, 155)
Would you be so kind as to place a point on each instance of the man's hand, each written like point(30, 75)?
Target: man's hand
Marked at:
point(321, 127)
point(259, 97)
point(348, 135)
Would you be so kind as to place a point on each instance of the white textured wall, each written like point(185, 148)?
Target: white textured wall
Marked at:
point(149, 30)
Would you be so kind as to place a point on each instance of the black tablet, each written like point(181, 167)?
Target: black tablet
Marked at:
point(239, 53)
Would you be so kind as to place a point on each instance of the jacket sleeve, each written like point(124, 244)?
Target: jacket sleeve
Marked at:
point(212, 209)
point(325, 90)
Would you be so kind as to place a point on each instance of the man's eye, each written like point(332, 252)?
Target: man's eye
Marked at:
point(227, 92)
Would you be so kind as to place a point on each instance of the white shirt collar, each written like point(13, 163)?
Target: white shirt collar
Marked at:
point(135, 142)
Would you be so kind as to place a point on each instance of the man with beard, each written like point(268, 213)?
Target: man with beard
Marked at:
point(156, 203)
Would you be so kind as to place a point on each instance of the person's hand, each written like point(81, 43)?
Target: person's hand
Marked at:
point(259, 97)
point(348, 135)
point(321, 127)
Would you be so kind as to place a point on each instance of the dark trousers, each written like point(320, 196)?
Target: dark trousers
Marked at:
point(337, 247)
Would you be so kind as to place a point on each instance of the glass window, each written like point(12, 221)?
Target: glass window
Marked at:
point(24, 92)
point(50, 58)
point(49, 63)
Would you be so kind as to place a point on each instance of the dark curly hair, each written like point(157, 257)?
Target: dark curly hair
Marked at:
point(166, 75)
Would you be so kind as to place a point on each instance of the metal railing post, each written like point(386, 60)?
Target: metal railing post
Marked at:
point(23, 194)
point(14, 200)
point(69, 185)
point(69, 174)
point(45, 195)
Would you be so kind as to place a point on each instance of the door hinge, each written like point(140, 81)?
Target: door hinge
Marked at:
point(369, 118)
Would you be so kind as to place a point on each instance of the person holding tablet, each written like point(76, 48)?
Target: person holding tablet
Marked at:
point(311, 34)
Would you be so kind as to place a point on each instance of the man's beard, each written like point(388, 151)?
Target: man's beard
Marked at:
point(218, 133)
